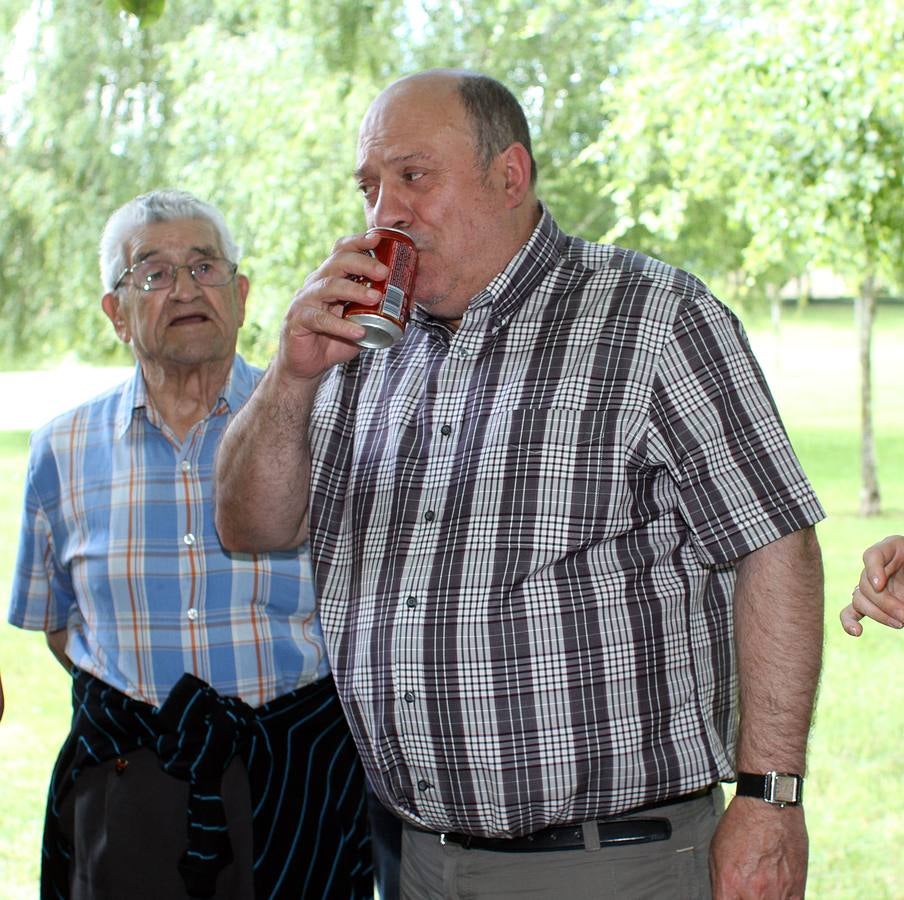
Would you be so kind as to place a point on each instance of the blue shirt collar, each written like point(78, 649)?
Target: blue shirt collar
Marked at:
point(235, 391)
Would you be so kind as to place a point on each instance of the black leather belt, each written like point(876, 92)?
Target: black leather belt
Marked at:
point(589, 836)
point(569, 837)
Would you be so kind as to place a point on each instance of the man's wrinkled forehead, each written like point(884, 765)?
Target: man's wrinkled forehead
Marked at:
point(193, 237)
point(380, 113)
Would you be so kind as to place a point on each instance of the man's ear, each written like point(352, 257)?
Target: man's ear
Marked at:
point(115, 313)
point(242, 285)
point(516, 168)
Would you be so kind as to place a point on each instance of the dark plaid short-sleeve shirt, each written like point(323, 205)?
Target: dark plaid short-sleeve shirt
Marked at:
point(524, 533)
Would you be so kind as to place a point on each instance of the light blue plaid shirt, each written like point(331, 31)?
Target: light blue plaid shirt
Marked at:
point(118, 545)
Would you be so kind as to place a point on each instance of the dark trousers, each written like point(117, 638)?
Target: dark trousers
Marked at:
point(193, 797)
point(125, 819)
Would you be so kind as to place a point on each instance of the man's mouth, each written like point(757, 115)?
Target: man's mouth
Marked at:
point(190, 319)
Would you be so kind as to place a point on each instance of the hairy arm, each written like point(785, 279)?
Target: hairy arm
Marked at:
point(263, 461)
point(761, 850)
point(263, 468)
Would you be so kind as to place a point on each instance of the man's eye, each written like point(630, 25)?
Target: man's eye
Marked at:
point(152, 274)
point(203, 267)
point(413, 176)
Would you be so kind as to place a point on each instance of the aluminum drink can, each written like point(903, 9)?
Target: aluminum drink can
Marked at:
point(385, 322)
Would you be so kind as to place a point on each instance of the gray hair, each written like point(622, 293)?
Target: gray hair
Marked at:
point(496, 116)
point(156, 206)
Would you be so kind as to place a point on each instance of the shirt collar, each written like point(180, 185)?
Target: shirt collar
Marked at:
point(527, 268)
point(508, 290)
point(134, 397)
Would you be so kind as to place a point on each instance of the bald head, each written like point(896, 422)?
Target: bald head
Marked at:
point(495, 117)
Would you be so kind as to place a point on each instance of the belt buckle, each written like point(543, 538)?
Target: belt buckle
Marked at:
point(450, 837)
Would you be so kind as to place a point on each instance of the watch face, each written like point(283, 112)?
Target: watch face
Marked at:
point(785, 789)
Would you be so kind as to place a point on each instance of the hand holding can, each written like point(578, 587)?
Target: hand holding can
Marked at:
point(385, 323)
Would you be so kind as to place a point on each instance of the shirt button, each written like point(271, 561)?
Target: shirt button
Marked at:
point(446, 430)
point(188, 539)
point(185, 465)
point(424, 785)
point(429, 515)
point(408, 697)
point(411, 601)
point(192, 614)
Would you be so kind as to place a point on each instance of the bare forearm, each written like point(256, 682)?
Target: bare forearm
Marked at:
point(779, 632)
point(56, 641)
point(263, 468)
point(760, 850)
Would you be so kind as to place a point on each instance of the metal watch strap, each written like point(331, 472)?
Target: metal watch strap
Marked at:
point(778, 788)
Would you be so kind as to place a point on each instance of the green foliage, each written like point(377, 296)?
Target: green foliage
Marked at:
point(774, 129)
point(148, 11)
point(93, 115)
point(741, 141)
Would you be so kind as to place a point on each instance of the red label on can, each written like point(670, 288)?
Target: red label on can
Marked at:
point(397, 251)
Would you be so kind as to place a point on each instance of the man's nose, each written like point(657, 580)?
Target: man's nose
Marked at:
point(391, 209)
point(184, 284)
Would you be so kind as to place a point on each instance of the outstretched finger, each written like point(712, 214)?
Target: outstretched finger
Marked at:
point(850, 620)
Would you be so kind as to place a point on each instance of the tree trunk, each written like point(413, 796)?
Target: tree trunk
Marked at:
point(870, 504)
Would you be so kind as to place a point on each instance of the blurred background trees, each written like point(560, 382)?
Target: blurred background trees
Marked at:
point(746, 141)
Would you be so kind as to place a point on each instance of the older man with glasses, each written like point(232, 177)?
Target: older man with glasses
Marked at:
point(208, 754)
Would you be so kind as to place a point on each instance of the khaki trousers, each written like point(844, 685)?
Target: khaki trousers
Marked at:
point(676, 868)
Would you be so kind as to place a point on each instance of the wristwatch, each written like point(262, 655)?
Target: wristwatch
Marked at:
point(778, 788)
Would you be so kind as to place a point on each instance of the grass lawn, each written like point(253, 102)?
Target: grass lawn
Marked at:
point(855, 788)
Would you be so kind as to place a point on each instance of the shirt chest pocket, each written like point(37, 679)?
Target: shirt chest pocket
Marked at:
point(559, 472)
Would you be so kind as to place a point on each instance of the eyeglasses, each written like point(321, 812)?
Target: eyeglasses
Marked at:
point(153, 275)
